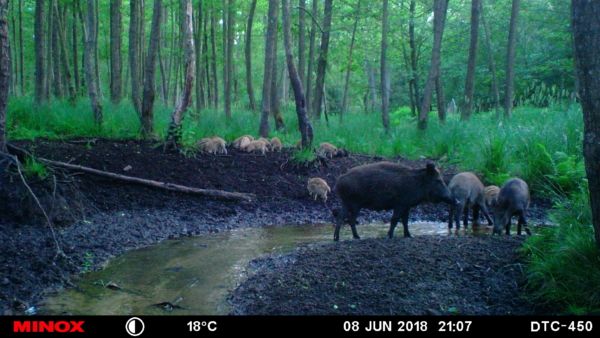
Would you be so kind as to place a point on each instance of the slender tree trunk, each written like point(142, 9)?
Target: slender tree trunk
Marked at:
point(116, 27)
point(440, 7)
point(385, 81)
point(56, 57)
point(134, 54)
point(304, 125)
point(414, 79)
point(268, 70)
point(467, 106)
point(174, 133)
point(349, 66)
point(49, 69)
point(275, 97)
point(147, 117)
point(248, 56)
point(586, 33)
point(198, 41)
point(491, 63)
point(4, 71)
point(96, 53)
point(372, 86)
point(75, 44)
point(62, 46)
point(510, 59)
point(224, 45)
point(21, 79)
point(40, 55)
point(441, 99)
point(311, 56)
point(322, 62)
point(229, 59)
point(213, 60)
point(90, 44)
point(205, 59)
point(302, 40)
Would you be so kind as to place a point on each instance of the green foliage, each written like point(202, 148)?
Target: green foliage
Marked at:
point(303, 156)
point(88, 262)
point(34, 169)
point(564, 261)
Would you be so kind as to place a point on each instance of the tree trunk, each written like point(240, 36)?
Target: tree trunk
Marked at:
point(385, 81)
point(205, 58)
point(40, 55)
point(4, 71)
point(268, 69)
point(198, 44)
point(510, 59)
point(414, 79)
point(115, 50)
point(440, 7)
point(372, 86)
point(586, 33)
point(229, 59)
point(467, 106)
point(491, 63)
point(441, 99)
point(304, 125)
point(90, 74)
point(49, 69)
point(75, 44)
point(349, 66)
point(56, 57)
point(275, 97)
point(322, 62)
point(213, 60)
point(248, 56)
point(134, 54)
point(174, 133)
point(311, 55)
point(147, 116)
point(62, 41)
point(302, 40)
point(21, 79)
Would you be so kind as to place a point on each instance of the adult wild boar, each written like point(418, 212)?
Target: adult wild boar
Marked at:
point(513, 200)
point(387, 186)
point(468, 191)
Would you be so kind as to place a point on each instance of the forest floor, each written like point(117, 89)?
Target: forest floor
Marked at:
point(468, 274)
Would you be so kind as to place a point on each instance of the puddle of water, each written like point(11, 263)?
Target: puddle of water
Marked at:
point(196, 273)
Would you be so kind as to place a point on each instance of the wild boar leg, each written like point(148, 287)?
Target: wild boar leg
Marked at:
point(522, 222)
point(486, 213)
point(404, 216)
point(451, 216)
point(458, 210)
point(475, 221)
point(352, 216)
point(507, 227)
point(338, 223)
point(465, 215)
point(394, 221)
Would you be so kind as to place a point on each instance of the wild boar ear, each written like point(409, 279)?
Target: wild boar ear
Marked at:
point(431, 168)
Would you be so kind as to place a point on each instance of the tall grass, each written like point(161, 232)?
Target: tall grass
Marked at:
point(563, 267)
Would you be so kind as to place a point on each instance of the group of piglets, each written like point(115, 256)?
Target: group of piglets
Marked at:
point(393, 186)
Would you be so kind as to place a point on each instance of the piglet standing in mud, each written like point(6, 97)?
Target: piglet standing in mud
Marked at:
point(513, 200)
point(387, 186)
point(468, 191)
point(317, 187)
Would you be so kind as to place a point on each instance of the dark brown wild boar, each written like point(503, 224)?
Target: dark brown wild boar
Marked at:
point(387, 186)
point(513, 200)
point(468, 191)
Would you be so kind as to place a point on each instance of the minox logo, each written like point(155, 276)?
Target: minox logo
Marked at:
point(51, 326)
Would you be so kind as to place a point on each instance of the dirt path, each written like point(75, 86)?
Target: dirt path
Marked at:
point(118, 218)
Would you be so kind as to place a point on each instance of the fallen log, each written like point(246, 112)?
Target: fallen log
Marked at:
point(218, 194)
point(212, 193)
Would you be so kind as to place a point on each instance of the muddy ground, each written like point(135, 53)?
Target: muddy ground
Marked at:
point(112, 217)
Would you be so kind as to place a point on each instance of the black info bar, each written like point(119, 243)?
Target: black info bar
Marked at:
point(355, 326)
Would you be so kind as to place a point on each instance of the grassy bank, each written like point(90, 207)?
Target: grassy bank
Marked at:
point(541, 145)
